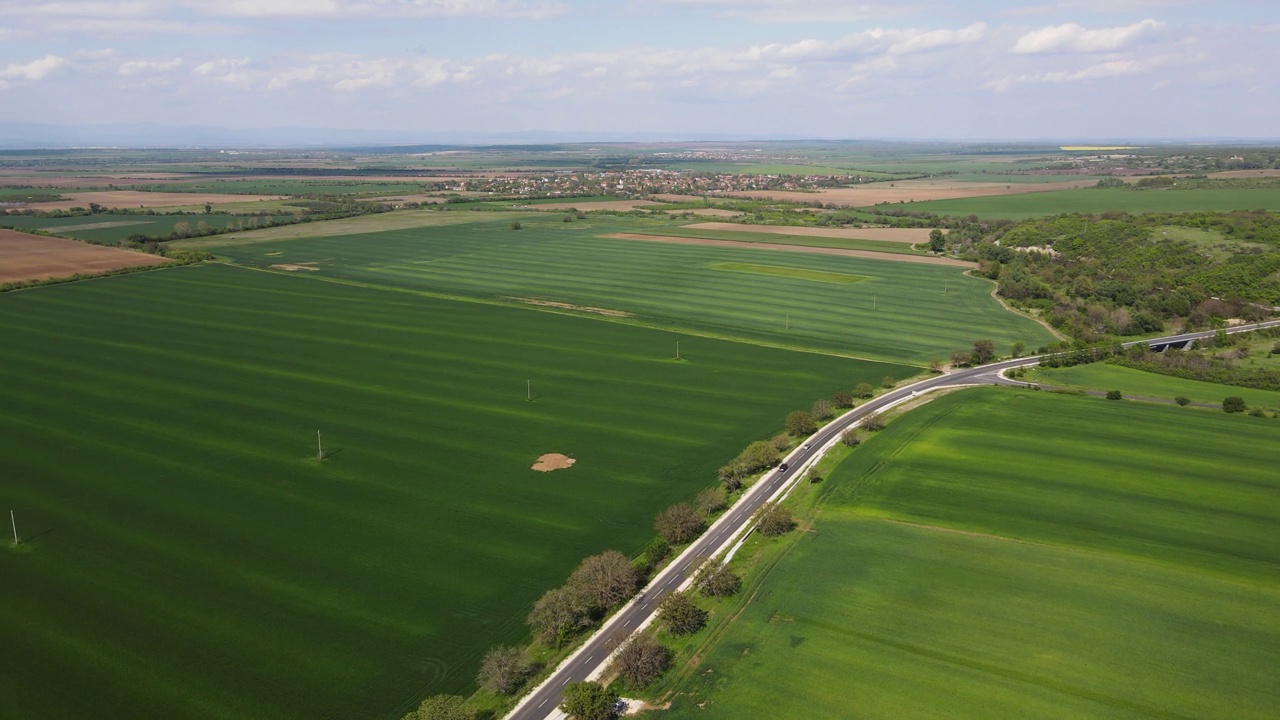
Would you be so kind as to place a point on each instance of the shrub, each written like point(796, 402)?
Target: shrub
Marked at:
point(680, 615)
point(1233, 404)
point(655, 552)
point(1182, 400)
point(1258, 412)
point(557, 615)
point(711, 501)
point(873, 422)
point(864, 390)
point(516, 226)
point(678, 524)
point(887, 382)
point(842, 399)
point(442, 707)
point(960, 358)
point(800, 423)
point(641, 661)
point(781, 441)
point(589, 701)
point(715, 579)
point(850, 438)
point(1114, 395)
point(822, 409)
point(503, 669)
point(774, 520)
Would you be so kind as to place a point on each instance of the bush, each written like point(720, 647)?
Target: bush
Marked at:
point(822, 409)
point(442, 707)
point(1182, 400)
point(589, 701)
point(655, 552)
point(960, 358)
point(774, 520)
point(844, 399)
point(1233, 404)
point(503, 669)
point(1114, 395)
point(1258, 412)
point(641, 661)
point(680, 615)
point(711, 501)
point(715, 579)
point(864, 390)
point(887, 382)
point(850, 438)
point(873, 422)
point(780, 442)
point(678, 524)
point(800, 423)
point(516, 226)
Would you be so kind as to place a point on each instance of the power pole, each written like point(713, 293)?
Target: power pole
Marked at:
point(788, 321)
point(319, 447)
point(677, 349)
point(15, 528)
point(873, 302)
point(528, 391)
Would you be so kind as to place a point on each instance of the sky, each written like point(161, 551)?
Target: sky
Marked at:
point(884, 69)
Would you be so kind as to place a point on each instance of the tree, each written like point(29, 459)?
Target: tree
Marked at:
point(95, 208)
point(935, 366)
point(1233, 404)
point(442, 707)
point(711, 501)
point(588, 701)
point(873, 422)
point(680, 615)
point(800, 423)
point(678, 524)
point(1114, 395)
point(208, 208)
point(937, 241)
point(984, 351)
point(557, 615)
point(503, 669)
point(864, 390)
point(774, 520)
point(960, 358)
point(516, 226)
point(822, 409)
point(850, 438)
point(1182, 400)
point(1018, 349)
point(715, 579)
point(605, 579)
point(843, 399)
point(780, 442)
point(887, 381)
point(641, 661)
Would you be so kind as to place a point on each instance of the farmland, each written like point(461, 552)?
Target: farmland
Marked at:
point(1100, 200)
point(901, 312)
point(159, 436)
point(998, 554)
point(111, 229)
point(25, 257)
point(1102, 376)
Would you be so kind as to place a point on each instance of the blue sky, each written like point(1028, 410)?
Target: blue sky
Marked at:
point(815, 68)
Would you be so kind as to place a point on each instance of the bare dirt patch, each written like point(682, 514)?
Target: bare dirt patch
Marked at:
point(553, 461)
point(139, 198)
point(710, 212)
point(97, 226)
point(902, 235)
point(869, 254)
point(562, 305)
point(1265, 172)
point(291, 267)
point(910, 191)
point(418, 198)
point(36, 257)
point(601, 205)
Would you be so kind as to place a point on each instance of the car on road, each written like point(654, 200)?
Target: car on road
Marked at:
point(782, 468)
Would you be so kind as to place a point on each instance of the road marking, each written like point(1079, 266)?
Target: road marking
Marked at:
point(544, 702)
point(593, 657)
point(566, 682)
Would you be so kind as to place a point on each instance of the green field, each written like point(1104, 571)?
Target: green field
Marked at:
point(920, 312)
point(1100, 200)
point(187, 556)
point(1006, 554)
point(748, 235)
point(109, 229)
point(1101, 376)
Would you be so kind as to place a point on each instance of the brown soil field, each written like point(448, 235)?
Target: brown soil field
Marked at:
point(433, 198)
point(902, 235)
point(1269, 172)
point(910, 190)
point(35, 257)
point(709, 212)
point(584, 206)
point(130, 198)
point(869, 254)
point(553, 461)
point(672, 197)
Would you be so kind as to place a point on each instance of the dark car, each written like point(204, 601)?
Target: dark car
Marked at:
point(782, 468)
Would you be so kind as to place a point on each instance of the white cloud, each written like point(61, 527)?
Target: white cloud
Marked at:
point(521, 9)
point(34, 70)
point(148, 67)
point(220, 65)
point(796, 11)
point(1074, 38)
point(1110, 68)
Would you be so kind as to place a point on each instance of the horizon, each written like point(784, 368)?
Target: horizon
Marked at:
point(409, 71)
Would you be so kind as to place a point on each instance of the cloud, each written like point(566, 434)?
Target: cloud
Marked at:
point(149, 67)
point(1074, 38)
point(517, 9)
point(34, 70)
point(796, 11)
point(1110, 68)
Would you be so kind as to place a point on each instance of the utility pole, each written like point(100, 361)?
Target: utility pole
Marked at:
point(319, 447)
point(528, 391)
point(677, 349)
point(788, 321)
point(15, 528)
point(873, 302)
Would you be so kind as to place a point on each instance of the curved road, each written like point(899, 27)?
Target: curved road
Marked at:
point(589, 660)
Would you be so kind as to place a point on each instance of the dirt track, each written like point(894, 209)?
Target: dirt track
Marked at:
point(35, 257)
point(869, 254)
point(902, 235)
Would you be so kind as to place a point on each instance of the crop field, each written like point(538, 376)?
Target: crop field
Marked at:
point(799, 239)
point(109, 229)
point(999, 554)
point(26, 257)
point(291, 186)
point(131, 198)
point(1101, 376)
point(158, 443)
point(1100, 200)
point(901, 312)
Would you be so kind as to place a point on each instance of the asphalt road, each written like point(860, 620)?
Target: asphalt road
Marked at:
point(543, 701)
